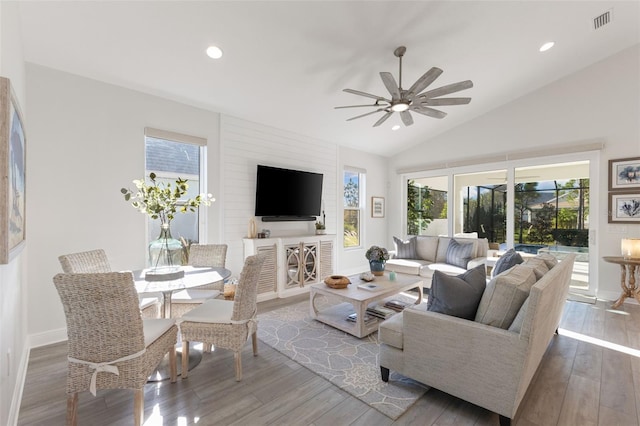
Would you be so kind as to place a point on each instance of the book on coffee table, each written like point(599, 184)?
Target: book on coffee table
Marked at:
point(380, 311)
point(367, 318)
point(369, 286)
point(396, 305)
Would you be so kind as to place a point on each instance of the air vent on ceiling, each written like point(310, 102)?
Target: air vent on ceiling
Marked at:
point(602, 20)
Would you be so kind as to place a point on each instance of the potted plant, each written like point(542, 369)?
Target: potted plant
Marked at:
point(320, 228)
point(377, 257)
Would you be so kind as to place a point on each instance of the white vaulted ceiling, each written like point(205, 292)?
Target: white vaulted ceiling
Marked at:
point(285, 63)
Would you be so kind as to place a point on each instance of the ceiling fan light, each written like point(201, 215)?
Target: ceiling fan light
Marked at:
point(400, 106)
point(214, 52)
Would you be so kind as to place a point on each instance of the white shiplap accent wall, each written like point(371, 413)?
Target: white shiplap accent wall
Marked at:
point(244, 145)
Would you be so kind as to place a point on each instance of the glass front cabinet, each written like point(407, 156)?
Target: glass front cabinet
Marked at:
point(299, 262)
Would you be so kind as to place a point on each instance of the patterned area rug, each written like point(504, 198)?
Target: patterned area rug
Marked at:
point(346, 361)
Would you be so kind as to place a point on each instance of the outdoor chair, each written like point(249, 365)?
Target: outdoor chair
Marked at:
point(91, 261)
point(226, 323)
point(110, 346)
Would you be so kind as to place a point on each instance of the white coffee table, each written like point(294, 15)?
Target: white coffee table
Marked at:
point(354, 299)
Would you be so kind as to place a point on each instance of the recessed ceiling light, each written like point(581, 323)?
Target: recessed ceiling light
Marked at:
point(214, 52)
point(548, 45)
point(396, 127)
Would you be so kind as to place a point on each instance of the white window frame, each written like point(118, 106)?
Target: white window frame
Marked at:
point(203, 177)
point(362, 204)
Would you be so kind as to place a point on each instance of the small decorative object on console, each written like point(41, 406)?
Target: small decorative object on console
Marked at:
point(337, 281)
point(367, 276)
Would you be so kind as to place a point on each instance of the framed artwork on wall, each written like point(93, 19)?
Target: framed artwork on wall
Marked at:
point(624, 207)
point(13, 174)
point(624, 174)
point(377, 206)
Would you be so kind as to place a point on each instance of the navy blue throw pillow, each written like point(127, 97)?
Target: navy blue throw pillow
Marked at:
point(507, 261)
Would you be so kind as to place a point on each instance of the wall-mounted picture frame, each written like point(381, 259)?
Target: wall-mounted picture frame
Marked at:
point(624, 207)
point(377, 206)
point(624, 174)
point(13, 174)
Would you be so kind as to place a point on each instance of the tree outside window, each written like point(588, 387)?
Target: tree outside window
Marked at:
point(352, 208)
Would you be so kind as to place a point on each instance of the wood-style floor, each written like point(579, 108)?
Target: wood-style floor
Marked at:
point(580, 382)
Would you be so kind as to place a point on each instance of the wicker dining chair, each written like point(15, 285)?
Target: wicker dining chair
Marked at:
point(200, 255)
point(226, 323)
point(110, 346)
point(91, 261)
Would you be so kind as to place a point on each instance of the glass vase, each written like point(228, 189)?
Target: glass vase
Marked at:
point(165, 253)
point(377, 267)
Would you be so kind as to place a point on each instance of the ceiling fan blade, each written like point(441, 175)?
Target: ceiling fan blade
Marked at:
point(445, 90)
point(424, 81)
point(391, 85)
point(364, 115)
point(430, 112)
point(445, 101)
point(357, 106)
point(406, 118)
point(383, 118)
point(368, 95)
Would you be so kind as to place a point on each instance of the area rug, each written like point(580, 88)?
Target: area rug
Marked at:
point(346, 361)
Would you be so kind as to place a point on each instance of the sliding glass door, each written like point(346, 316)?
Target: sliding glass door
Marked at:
point(551, 204)
point(482, 205)
point(531, 207)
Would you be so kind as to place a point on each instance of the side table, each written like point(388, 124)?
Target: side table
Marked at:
point(628, 269)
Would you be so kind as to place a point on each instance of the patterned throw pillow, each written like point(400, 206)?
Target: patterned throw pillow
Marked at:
point(459, 254)
point(506, 261)
point(405, 249)
point(457, 296)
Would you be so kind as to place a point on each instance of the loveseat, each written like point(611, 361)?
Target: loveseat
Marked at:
point(422, 255)
point(489, 360)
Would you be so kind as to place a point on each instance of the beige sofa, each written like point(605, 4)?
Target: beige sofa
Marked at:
point(486, 365)
point(431, 255)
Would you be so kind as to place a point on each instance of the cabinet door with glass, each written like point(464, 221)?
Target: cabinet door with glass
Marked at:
point(301, 261)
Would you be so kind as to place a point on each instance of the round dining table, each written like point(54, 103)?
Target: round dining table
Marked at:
point(193, 277)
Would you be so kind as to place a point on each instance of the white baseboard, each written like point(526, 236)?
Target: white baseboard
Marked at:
point(21, 376)
point(33, 341)
point(47, 338)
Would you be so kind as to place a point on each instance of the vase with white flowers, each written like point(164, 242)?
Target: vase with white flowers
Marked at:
point(161, 201)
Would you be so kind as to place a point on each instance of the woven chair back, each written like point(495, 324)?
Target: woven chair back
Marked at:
point(208, 255)
point(85, 262)
point(246, 298)
point(102, 313)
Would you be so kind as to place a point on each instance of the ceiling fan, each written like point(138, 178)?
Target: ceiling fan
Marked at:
point(414, 99)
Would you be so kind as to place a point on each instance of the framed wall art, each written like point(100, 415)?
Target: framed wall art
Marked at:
point(12, 172)
point(624, 207)
point(624, 174)
point(377, 206)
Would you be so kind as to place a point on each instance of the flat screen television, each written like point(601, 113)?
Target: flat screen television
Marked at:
point(287, 195)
